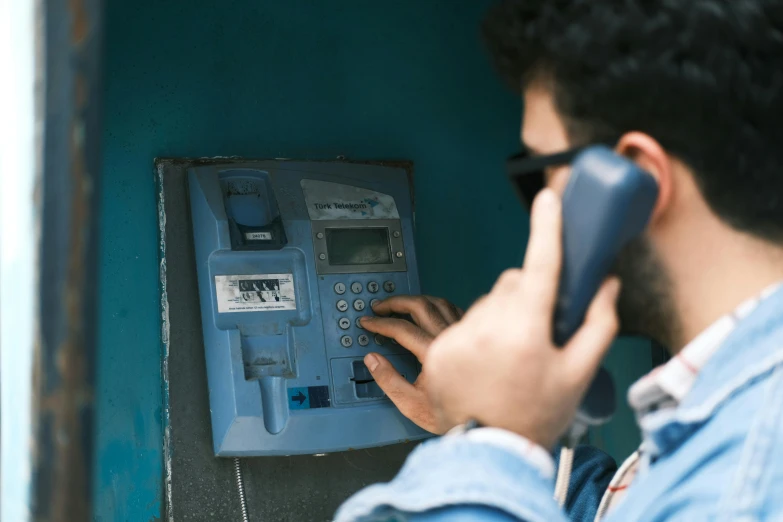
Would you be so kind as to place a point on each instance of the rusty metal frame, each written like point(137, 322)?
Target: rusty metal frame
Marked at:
point(63, 400)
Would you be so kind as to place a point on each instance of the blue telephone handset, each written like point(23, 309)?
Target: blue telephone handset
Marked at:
point(607, 202)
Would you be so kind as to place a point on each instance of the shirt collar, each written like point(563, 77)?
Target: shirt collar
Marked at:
point(667, 385)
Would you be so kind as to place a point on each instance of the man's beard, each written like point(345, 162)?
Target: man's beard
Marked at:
point(646, 303)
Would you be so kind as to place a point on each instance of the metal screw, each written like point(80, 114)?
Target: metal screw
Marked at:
point(399, 254)
point(321, 256)
point(320, 235)
point(396, 233)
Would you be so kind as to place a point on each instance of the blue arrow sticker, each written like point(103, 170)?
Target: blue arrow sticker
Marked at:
point(305, 398)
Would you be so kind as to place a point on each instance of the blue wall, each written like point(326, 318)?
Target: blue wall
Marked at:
point(287, 79)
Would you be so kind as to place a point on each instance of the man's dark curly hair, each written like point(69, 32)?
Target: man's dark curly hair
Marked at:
point(703, 77)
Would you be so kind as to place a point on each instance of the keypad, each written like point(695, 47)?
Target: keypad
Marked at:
point(362, 297)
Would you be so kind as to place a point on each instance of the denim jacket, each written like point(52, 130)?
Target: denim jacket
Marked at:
point(717, 456)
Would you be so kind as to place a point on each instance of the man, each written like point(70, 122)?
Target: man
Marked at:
point(693, 93)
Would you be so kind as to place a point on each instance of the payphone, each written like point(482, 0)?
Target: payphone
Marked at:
point(289, 256)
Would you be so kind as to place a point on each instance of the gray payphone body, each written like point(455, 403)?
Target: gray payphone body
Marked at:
point(289, 256)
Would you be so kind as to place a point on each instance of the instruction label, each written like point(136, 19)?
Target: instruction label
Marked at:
point(255, 293)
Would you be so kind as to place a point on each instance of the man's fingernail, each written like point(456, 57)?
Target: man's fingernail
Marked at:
point(365, 319)
point(371, 361)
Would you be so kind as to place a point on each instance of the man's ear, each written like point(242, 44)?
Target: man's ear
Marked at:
point(651, 157)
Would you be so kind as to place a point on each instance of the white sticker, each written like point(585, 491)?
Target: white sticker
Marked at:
point(256, 236)
point(327, 200)
point(255, 293)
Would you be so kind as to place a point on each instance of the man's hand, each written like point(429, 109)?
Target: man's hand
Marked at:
point(499, 364)
point(430, 316)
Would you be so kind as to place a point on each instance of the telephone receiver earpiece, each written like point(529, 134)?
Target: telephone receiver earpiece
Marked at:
point(608, 201)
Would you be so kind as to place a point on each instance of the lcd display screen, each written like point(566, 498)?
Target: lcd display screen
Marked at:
point(358, 246)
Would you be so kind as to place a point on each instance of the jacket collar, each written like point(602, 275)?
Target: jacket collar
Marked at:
point(750, 352)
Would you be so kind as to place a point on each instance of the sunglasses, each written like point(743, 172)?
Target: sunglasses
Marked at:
point(526, 171)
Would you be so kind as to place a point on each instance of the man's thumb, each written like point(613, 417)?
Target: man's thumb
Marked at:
point(371, 361)
point(388, 378)
point(409, 400)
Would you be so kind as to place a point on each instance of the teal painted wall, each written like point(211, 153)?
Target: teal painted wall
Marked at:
point(287, 79)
